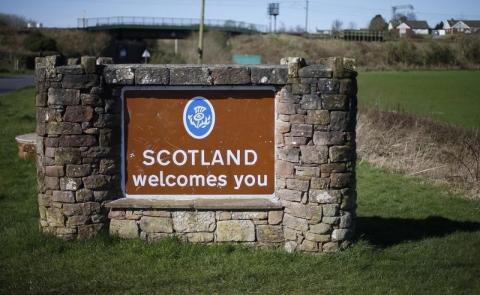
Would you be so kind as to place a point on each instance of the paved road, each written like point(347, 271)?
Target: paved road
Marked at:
point(12, 83)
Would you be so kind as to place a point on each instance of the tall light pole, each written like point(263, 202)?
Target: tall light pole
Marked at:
point(200, 33)
point(306, 16)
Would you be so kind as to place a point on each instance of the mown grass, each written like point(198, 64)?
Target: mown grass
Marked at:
point(450, 96)
point(412, 238)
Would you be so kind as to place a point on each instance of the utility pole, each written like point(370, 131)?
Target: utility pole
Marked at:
point(200, 33)
point(306, 16)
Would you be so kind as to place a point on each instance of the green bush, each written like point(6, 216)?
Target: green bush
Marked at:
point(470, 48)
point(439, 54)
point(37, 42)
point(403, 52)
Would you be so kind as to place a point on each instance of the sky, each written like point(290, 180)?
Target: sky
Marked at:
point(353, 13)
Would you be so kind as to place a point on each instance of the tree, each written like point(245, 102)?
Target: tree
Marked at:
point(12, 21)
point(378, 23)
point(439, 26)
point(352, 26)
point(37, 42)
point(337, 25)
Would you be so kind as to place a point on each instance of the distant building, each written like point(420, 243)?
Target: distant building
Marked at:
point(410, 27)
point(462, 26)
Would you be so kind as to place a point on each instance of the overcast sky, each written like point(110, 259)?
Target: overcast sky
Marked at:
point(64, 13)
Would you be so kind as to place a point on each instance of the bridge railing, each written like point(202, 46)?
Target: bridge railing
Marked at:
point(166, 22)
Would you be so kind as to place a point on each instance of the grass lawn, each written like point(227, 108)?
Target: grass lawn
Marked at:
point(451, 96)
point(413, 239)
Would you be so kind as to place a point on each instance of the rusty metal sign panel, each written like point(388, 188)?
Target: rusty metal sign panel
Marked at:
point(181, 143)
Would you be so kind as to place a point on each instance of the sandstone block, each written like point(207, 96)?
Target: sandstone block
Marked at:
point(297, 184)
point(340, 180)
point(304, 171)
point(284, 169)
point(83, 195)
point(314, 154)
point(270, 233)
point(328, 86)
point(330, 210)
point(335, 102)
point(275, 217)
point(289, 195)
point(122, 75)
point(77, 140)
point(78, 170)
point(330, 247)
point(315, 71)
point(292, 222)
point(89, 64)
point(319, 183)
point(63, 96)
point(325, 196)
point(305, 130)
point(200, 237)
point(282, 127)
point(288, 154)
point(230, 75)
point(63, 196)
point(320, 228)
point(317, 237)
point(235, 231)
point(276, 76)
point(249, 215)
point(78, 114)
point(340, 234)
point(286, 108)
point(152, 76)
point(89, 231)
point(186, 75)
point(58, 128)
point(124, 228)
point(193, 221)
point(341, 153)
point(156, 224)
point(329, 138)
point(96, 181)
point(308, 246)
point(317, 117)
point(54, 171)
point(340, 121)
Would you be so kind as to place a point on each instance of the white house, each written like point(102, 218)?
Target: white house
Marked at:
point(410, 27)
point(452, 26)
point(467, 26)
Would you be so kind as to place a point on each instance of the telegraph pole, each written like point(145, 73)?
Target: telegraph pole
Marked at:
point(306, 16)
point(200, 33)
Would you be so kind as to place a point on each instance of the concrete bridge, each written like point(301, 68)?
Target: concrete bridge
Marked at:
point(128, 27)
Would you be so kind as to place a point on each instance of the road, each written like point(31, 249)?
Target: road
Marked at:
point(12, 83)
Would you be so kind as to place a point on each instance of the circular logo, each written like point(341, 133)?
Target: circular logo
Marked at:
point(198, 117)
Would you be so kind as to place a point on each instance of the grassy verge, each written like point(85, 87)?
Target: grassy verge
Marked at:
point(413, 238)
point(450, 96)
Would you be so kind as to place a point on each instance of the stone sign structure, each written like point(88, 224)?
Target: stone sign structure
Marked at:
point(80, 151)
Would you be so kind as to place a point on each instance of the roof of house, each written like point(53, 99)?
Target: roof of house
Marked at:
point(472, 23)
point(452, 22)
point(417, 24)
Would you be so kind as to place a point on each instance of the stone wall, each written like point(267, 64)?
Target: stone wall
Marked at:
point(78, 155)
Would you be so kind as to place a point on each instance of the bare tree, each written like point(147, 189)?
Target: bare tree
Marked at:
point(337, 26)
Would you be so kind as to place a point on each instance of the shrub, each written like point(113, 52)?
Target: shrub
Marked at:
point(37, 42)
point(439, 54)
point(403, 52)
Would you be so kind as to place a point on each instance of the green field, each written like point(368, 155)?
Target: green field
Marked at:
point(450, 96)
point(413, 238)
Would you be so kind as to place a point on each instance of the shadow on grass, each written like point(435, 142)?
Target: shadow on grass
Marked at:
point(385, 232)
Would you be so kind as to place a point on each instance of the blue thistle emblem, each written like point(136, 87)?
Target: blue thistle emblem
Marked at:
point(198, 117)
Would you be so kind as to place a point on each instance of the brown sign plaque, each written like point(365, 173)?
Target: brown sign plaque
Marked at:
point(198, 142)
